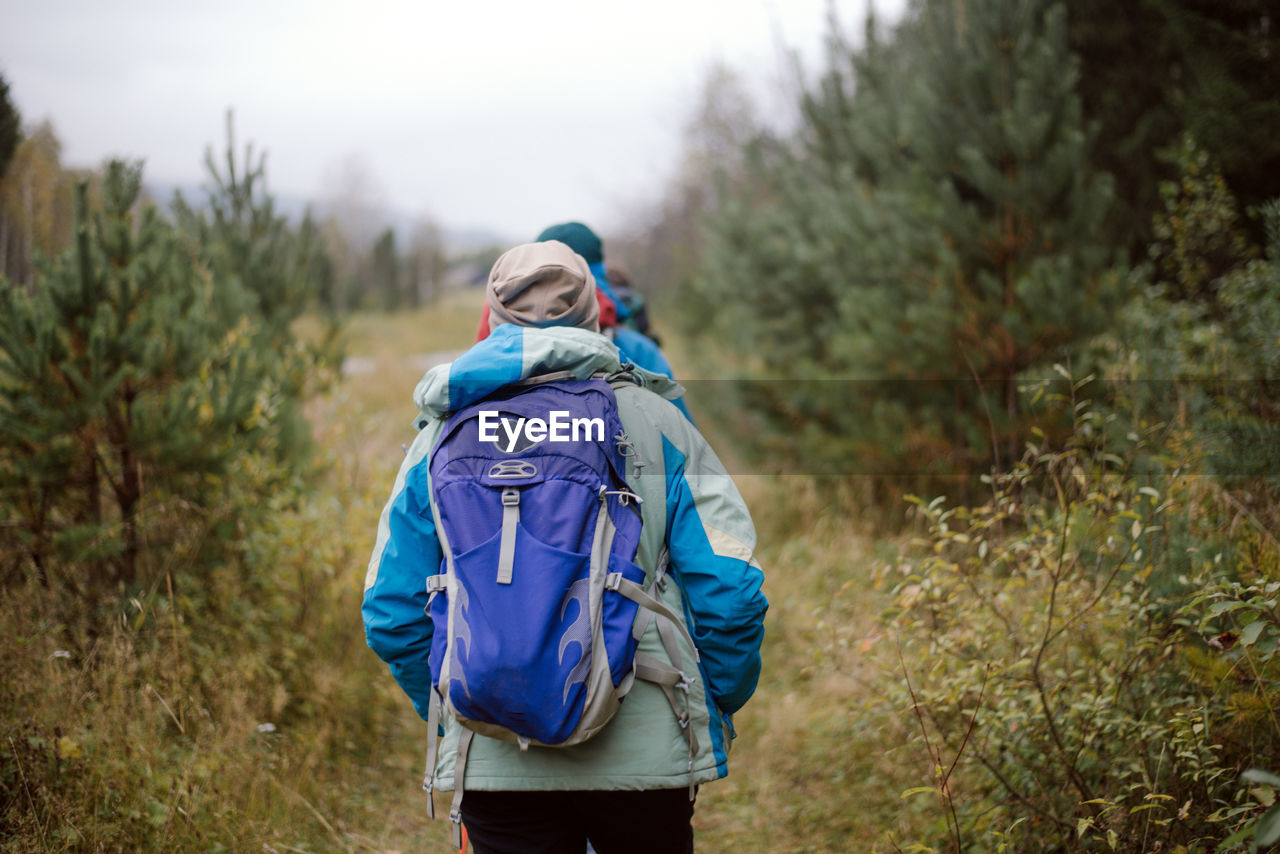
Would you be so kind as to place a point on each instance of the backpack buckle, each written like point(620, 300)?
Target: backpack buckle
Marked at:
point(510, 497)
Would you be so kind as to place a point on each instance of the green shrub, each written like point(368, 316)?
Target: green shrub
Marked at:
point(1069, 693)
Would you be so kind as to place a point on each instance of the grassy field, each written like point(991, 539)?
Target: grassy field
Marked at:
point(155, 737)
point(799, 769)
point(806, 770)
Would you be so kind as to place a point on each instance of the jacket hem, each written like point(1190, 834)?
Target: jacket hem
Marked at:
point(580, 783)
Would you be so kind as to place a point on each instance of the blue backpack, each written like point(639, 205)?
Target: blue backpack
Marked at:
point(536, 606)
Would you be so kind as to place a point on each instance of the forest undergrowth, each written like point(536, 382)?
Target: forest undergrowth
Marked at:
point(249, 715)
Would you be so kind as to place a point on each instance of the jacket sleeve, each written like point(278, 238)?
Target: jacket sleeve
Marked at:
point(711, 541)
point(407, 550)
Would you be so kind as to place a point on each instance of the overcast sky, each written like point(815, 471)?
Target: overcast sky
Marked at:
point(502, 115)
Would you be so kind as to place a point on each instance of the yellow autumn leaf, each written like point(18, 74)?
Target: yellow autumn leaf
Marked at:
point(69, 748)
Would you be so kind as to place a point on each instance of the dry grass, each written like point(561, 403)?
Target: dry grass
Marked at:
point(805, 772)
point(387, 354)
point(277, 730)
point(808, 771)
point(125, 746)
point(149, 740)
point(817, 765)
point(447, 324)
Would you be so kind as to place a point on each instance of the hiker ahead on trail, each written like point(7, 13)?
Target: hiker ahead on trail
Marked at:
point(633, 345)
point(564, 581)
point(622, 320)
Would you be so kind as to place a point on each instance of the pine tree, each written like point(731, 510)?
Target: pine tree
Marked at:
point(10, 127)
point(124, 387)
point(1156, 70)
point(385, 278)
point(239, 236)
point(933, 233)
point(1198, 238)
point(150, 383)
point(242, 236)
point(426, 263)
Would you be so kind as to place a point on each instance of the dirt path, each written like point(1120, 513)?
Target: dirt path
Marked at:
point(359, 365)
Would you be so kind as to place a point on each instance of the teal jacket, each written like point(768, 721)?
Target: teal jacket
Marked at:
point(639, 349)
point(690, 506)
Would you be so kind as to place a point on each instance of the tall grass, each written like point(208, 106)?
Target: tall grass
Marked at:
point(816, 766)
point(271, 727)
point(245, 713)
point(813, 767)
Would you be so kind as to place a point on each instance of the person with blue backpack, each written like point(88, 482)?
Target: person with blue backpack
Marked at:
point(564, 582)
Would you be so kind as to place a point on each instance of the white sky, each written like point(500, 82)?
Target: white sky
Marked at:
point(502, 115)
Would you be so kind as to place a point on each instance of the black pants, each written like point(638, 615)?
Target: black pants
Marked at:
point(649, 822)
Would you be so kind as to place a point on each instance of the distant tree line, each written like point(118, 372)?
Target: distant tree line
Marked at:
point(35, 193)
point(360, 263)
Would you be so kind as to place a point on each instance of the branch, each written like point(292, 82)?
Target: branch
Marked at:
point(986, 677)
point(1072, 771)
point(953, 822)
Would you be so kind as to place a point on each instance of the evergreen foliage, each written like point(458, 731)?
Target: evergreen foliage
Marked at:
point(1198, 238)
point(281, 270)
point(1155, 70)
point(10, 127)
point(1243, 433)
point(1130, 576)
point(124, 387)
point(936, 229)
point(149, 376)
point(385, 275)
point(1197, 348)
point(426, 265)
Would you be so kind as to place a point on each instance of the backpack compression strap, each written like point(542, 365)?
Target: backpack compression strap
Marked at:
point(433, 747)
point(671, 678)
point(435, 584)
point(459, 775)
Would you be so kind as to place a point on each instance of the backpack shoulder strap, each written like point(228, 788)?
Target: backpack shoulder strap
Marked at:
point(543, 378)
point(670, 677)
point(620, 378)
